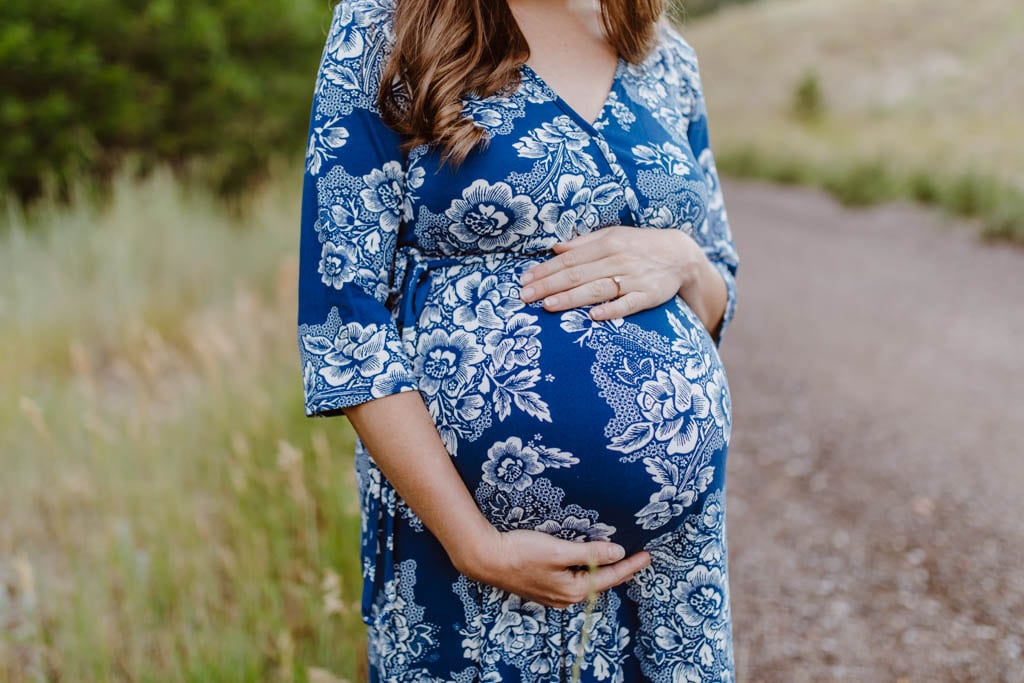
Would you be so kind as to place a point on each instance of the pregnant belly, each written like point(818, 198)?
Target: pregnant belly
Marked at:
point(588, 431)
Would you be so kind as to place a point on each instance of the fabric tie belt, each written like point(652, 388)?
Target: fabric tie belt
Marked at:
point(412, 268)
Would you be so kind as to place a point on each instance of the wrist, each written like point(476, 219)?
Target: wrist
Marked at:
point(707, 296)
point(694, 276)
point(472, 550)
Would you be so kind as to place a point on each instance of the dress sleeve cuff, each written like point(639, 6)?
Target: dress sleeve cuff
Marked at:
point(347, 364)
point(730, 305)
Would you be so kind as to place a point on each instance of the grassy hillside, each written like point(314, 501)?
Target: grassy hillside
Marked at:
point(168, 512)
point(927, 93)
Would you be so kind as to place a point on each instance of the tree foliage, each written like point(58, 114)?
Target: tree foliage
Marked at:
point(168, 81)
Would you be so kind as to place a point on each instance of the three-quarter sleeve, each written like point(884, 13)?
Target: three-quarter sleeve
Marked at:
point(354, 200)
point(715, 235)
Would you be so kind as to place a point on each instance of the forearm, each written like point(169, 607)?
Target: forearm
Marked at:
point(401, 437)
point(706, 294)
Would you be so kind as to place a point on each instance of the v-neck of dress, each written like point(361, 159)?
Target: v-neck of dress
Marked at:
point(592, 127)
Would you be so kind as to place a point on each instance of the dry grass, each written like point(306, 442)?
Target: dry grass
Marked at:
point(921, 88)
point(168, 512)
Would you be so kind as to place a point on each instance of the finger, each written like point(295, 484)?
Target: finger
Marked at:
point(627, 304)
point(590, 252)
point(611, 575)
point(592, 554)
point(594, 292)
point(586, 238)
point(570, 277)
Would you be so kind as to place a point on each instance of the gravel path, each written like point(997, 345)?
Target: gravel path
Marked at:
point(876, 491)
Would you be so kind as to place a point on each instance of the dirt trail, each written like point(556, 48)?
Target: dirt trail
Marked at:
point(876, 472)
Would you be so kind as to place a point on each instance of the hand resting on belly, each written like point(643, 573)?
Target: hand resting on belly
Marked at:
point(626, 270)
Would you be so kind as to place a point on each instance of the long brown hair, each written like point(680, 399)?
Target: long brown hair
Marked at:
point(446, 49)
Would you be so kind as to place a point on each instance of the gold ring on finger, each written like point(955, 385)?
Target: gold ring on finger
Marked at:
point(617, 279)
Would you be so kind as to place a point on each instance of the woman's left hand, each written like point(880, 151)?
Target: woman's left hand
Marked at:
point(625, 269)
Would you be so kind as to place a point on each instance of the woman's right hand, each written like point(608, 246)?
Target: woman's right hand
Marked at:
point(400, 433)
point(548, 570)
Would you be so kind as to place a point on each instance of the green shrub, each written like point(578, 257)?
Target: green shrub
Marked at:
point(808, 104)
point(224, 82)
point(746, 161)
point(924, 187)
point(972, 194)
point(1006, 221)
point(862, 183)
point(681, 10)
point(742, 161)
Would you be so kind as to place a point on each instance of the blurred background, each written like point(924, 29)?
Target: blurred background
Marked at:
point(167, 513)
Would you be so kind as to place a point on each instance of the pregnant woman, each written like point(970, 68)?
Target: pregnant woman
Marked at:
point(515, 272)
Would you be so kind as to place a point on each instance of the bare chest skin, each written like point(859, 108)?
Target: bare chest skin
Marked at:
point(569, 51)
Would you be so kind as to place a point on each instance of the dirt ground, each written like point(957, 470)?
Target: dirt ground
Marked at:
point(876, 470)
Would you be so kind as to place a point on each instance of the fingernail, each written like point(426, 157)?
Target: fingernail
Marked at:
point(527, 293)
point(616, 553)
point(551, 301)
point(526, 278)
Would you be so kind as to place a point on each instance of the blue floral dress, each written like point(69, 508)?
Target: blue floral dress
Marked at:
point(617, 430)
